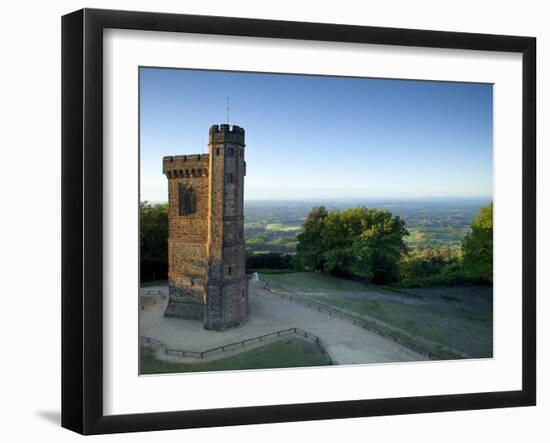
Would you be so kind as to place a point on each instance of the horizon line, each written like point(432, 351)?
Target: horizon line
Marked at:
point(342, 199)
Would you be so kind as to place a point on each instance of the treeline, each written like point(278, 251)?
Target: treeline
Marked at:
point(153, 241)
point(272, 241)
point(269, 261)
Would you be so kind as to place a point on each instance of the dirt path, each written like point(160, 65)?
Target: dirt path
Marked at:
point(346, 342)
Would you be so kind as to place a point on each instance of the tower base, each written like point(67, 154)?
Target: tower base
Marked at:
point(223, 326)
point(184, 310)
point(185, 304)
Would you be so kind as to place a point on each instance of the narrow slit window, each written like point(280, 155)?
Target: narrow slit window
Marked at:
point(187, 200)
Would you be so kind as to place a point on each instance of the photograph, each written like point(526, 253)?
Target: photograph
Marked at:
point(296, 220)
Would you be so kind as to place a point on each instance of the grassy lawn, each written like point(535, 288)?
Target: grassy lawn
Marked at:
point(432, 320)
point(289, 353)
point(315, 281)
point(261, 271)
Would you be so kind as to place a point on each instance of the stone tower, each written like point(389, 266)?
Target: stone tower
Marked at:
point(206, 255)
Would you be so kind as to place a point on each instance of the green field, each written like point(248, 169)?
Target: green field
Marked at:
point(281, 227)
point(314, 281)
point(430, 236)
point(443, 321)
point(288, 353)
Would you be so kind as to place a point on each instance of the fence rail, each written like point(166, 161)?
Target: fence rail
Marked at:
point(150, 297)
point(150, 292)
point(241, 343)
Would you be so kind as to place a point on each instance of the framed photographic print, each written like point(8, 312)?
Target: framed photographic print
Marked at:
point(269, 221)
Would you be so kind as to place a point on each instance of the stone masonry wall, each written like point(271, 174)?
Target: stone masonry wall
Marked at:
point(206, 248)
point(187, 236)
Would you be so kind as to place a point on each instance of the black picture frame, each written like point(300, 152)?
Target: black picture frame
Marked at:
point(82, 218)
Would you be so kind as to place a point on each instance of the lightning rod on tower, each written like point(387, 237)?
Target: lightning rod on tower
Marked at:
point(227, 108)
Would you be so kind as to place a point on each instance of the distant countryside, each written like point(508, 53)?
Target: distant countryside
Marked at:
point(273, 226)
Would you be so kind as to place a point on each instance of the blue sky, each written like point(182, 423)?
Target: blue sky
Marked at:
point(315, 138)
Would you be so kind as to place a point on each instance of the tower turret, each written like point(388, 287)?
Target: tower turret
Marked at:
point(227, 299)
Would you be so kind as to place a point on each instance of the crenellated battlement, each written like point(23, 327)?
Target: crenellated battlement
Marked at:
point(185, 158)
point(186, 173)
point(226, 134)
point(195, 165)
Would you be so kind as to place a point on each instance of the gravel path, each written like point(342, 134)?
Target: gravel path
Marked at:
point(347, 343)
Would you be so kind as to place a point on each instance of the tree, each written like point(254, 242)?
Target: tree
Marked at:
point(378, 249)
point(309, 246)
point(356, 242)
point(425, 261)
point(153, 241)
point(477, 246)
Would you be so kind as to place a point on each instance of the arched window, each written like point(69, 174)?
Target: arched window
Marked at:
point(187, 200)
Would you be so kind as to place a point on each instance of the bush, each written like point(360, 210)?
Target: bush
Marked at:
point(450, 275)
point(427, 261)
point(270, 260)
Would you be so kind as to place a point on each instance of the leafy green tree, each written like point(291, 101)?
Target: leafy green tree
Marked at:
point(378, 249)
point(356, 242)
point(309, 246)
point(477, 246)
point(153, 241)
